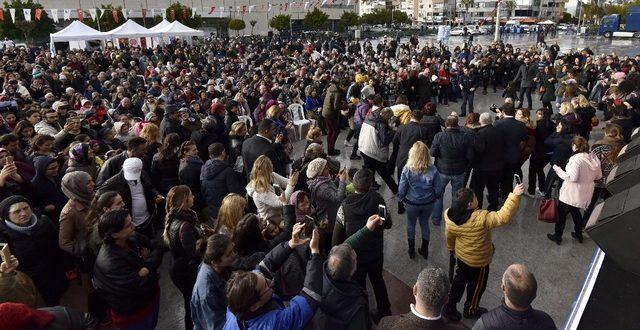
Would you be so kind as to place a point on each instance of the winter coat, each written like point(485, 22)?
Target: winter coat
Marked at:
point(352, 216)
point(327, 197)
point(526, 73)
point(362, 109)
point(344, 305)
point(164, 173)
point(418, 188)
point(116, 279)
point(453, 151)
point(119, 184)
point(183, 235)
point(74, 228)
point(300, 309)
point(334, 102)
point(217, 180)
point(48, 191)
point(579, 176)
point(375, 137)
point(471, 239)
point(189, 174)
point(514, 132)
point(268, 203)
point(405, 137)
point(488, 149)
point(256, 146)
point(559, 146)
point(168, 126)
point(39, 256)
point(549, 94)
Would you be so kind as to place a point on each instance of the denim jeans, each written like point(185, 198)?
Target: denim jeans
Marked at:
point(457, 183)
point(467, 99)
point(422, 214)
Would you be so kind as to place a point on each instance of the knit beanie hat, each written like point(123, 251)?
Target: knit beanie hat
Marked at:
point(316, 167)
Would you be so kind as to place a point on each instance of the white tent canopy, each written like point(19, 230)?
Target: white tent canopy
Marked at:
point(160, 25)
point(547, 22)
point(78, 31)
point(131, 29)
point(177, 29)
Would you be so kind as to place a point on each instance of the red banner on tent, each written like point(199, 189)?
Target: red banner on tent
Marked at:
point(38, 14)
point(80, 14)
point(114, 13)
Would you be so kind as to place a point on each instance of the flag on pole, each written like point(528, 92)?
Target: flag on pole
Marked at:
point(101, 12)
point(12, 11)
point(153, 12)
point(27, 14)
point(114, 14)
point(193, 12)
point(54, 15)
point(1, 14)
point(163, 12)
point(213, 8)
point(38, 14)
point(184, 12)
point(80, 14)
point(124, 14)
point(66, 14)
point(270, 6)
point(172, 14)
point(306, 5)
point(251, 8)
point(93, 13)
point(144, 12)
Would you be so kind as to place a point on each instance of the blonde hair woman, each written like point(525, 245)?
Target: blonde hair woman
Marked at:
point(181, 235)
point(269, 190)
point(231, 211)
point(417, 191)
point(237, 135)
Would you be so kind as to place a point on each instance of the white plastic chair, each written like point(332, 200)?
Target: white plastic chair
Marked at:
point(296, 112)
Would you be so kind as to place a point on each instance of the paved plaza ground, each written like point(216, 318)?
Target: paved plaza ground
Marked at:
point(560, 270)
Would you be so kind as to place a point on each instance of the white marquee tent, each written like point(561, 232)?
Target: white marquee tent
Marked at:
point(160, 25)
point(76, 34)
point(177, 29)
point(131, 29)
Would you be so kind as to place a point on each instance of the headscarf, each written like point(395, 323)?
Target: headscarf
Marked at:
point(74, 186)
point(80, 153)
point(293, 200)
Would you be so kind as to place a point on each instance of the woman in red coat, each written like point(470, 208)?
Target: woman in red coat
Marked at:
point(444, 81)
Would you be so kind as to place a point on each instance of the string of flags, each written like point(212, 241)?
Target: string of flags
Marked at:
point(96, 13)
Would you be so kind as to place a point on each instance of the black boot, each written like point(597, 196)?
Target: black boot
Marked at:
point(412, 248)
point(424, 249)
point(400, 207)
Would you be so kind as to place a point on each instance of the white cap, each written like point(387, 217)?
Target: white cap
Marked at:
point(132, 168)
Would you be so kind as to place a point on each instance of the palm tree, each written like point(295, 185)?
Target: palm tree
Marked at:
point(466, 4)
point(510, 6)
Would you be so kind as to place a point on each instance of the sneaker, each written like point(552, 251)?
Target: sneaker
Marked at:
point(479, 311)
point(539, 192)
point(348, 144)
point(451, 313)
point(355, 157)
point(553, 237)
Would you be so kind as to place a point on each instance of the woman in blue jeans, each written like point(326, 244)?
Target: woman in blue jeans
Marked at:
point(417, 192)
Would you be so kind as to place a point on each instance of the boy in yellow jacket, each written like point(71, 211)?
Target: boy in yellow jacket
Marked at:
point(468, 232)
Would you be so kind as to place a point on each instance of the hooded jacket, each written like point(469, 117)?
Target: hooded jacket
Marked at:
point(48, 191)
point(327, 198)
point(470, 239)
point(344, 305)
point(218, 179)
point(579, 176)
point(375, 137)
point(352, 216)
point(39, 256)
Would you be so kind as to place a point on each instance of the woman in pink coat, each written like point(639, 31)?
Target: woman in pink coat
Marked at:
point(579, 175)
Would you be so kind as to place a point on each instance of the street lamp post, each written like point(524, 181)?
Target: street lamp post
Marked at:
point(496, 35)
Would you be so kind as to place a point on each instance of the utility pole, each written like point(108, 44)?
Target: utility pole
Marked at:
point(496, 35)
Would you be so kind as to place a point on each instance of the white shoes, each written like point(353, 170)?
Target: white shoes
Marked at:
point(347, 144)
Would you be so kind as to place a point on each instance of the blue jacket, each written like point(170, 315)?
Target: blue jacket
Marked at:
point(295, 316)
point(418, 189)
point(208, 302)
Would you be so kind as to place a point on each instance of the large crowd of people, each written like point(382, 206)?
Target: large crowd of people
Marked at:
point(112, 158)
